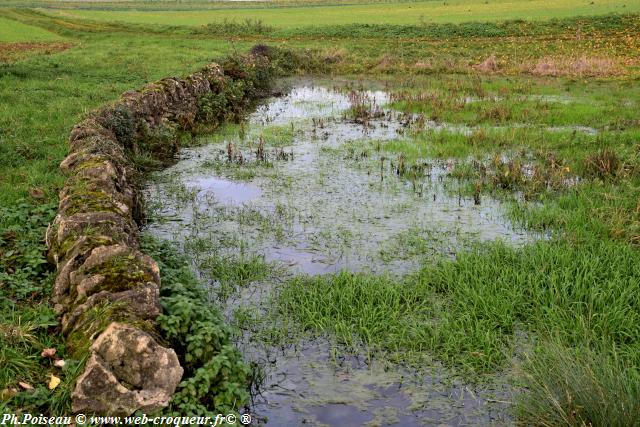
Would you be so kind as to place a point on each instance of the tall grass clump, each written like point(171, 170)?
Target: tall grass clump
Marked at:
point(605, 164)
point(582, 294)
point(471, 312)
point(361, 310)
point(578, 387)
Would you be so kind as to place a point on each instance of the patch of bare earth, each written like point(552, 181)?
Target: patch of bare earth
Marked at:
point(10, 52)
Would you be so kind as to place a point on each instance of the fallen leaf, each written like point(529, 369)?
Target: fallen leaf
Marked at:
point(54, 382)
point(48, 352)
point(59, 363)
point(8, 393)
point(25, 386)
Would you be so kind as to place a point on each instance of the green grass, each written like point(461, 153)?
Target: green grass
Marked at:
point(37, 110)
point(16, 32)
point(596, 210)
point(452, 11)
point(569, 387)
point(578, 289)
point(377, 312)
point(27, 323)
point(470, 311)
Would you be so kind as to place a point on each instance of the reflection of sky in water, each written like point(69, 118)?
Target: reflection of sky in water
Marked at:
point(225, 190)
point(308, 101)
point(325, 211)
point(343, 215)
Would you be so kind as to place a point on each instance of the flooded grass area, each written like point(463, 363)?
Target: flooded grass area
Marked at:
point(314, 186)
point(399, 253)
point(373, 304)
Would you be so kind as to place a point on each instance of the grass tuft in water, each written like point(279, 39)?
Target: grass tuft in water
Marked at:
point(578, 387)
point(378, 312)
point(471, 312)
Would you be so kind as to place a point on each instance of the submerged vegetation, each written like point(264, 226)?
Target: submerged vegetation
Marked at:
point(537, 118)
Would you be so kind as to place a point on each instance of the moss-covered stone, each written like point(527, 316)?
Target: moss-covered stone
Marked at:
point(102, 277)
point(122, 273)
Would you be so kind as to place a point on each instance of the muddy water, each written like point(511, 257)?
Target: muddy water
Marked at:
point(304, 185)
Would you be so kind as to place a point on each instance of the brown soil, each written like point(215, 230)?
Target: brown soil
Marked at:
point(13, 51)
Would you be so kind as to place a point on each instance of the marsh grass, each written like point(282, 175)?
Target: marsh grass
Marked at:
point(469, 311)
point(578, 387)
point(604, 165)
point(229, 272)
point(249, 151)
point(416, 242)
point(364, 107)
point(371, 311)
point(592, 210)
point(494, 302)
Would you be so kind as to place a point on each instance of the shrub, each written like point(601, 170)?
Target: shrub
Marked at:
point(236, 28)
point(228, 104)
point(255, 70)
point(261, 50)
point(159, 142)
point(289, 61)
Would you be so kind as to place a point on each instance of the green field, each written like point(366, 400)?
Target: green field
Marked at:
point(16, 32)
point(453, 11)
point(552, 107)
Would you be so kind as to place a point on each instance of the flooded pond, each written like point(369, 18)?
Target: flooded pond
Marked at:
point(304, 187)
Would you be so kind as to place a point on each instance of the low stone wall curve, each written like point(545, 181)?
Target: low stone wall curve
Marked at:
point(106, 290)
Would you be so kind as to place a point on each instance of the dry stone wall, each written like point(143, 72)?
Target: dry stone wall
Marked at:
point(106, 290)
